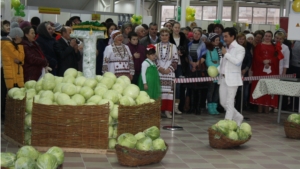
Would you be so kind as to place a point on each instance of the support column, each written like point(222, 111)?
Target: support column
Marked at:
point(282, 7)
point(235, 12)
point(137, 7)
point(287, 8)
point(220, 10)
point(6, 11)
point(184, 4)
point(112, 5)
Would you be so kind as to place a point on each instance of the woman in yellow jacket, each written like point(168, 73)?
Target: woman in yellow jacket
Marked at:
point(13, 57)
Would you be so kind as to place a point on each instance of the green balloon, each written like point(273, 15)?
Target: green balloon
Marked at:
point(22, 13)
point(22, 7)
point(15, 3)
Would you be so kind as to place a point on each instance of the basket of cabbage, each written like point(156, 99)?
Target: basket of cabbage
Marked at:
point(226, 134)
point(143, 148)
point(29, 157)
point(292, 126)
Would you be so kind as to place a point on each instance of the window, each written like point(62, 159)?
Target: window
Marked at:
point(167, 13)
point(198, 14)
point(273, 16)
point(245, 14)
point(259, 15)
point(226, 16)
point(209, 12)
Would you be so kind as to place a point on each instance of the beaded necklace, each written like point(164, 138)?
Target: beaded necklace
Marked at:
point(124, 50)
point(162, 56)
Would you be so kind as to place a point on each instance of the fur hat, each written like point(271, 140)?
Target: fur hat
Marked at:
point(114, 34)
point(249, 35)
point(15, 30)
point(24, 24)
point(212, 36)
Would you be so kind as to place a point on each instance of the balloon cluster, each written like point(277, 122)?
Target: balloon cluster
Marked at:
point(136, 19)
point(277, 26)
point(178, 14)
point(190, 14)
point(18, 7)
point(217, 21)
point(296, 5)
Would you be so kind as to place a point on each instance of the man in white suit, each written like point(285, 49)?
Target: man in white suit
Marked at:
point(230, 74)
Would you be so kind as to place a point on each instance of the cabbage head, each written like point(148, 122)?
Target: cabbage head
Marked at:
point(36, 98)
point(100, 91)
point(125, 79)
point(79, 81)
point(114, 112)
point(11, 91)
point(110, 131)
point(152, 132)
point(29, 104)
point(38, 85)
point(90, 103)
point(105, 101)
point(58, 87)
point(49, 76)
point(47, 94)
point(152, 100)
point(58, 153)
point(111, 95)
point(28, 151)
point(222, 126)
point(101, 85)
point(69, 89)
point(95, 99)
point(27, 137)
point(30, 93)
point(143, 93)
point(110, 76)
point(98, 78)
point(115, 133)
point(79, 74)
point(242, 134)
point(86, 92)
point(232, 135)
point(69, 102)
point(71, 72)
point(19, 94)
point(25, 163)
point(144, 144)
point(127, 101)
point(294, 118)
point(7, 159)
point(112, 143)
point(28, 120)
point(78, 88)
point(92, 83)
point(80, 100)
point(132, 91)
point(46, 161)
point(68, 79)
point(139, 135)
point(232, 125)
point(127, 140)
point(58, 80)
point(118, 88)
point(48, 84)
point(107, 82)
point(246, 127)
point(141, 99)
point(61, 98)
point(55, 96)
point(159, 144)
point(46, 101)
point(30, 84)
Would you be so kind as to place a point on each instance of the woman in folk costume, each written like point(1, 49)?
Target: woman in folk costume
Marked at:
point(167, 59)
point(117, 57)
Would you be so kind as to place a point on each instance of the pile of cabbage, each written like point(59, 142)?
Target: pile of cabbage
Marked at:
point(148, 140)
point(74, 89)
point(28, 157)
point(294, 118)
point(230, 129)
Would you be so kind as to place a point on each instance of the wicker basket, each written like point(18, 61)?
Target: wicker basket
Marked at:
point(70, 126)
point(292, 130)
point(15, 119)
point(133, 119)
point(218, 140)
point(132, 157)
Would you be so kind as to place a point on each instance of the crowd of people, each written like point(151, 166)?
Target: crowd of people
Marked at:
point(152, 59)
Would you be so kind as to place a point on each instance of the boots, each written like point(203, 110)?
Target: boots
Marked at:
point(177, 111)
point(210, 108)
point(198, 104)
point(168, 114)
point(214, 108)
point(192, 103)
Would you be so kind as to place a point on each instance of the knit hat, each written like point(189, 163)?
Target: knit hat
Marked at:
point(15, 30)
point(24, 24)
point(212, 36)
point(249, 35)
point(190, 35)
point(57, 27)
point(280, 30)
point(114, 34)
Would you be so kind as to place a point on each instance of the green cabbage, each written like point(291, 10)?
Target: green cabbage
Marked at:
point(38, 85)
point(107, 82)
point(49, 76)
point(30, 84)
point(115, 133)
point(90, 103)
point(71, 72)
point(7, 159)
point(46, 101)
point(110, 76)
point(79, 81)
point(80, 100)
point(48, 84)
point(125, 79)
point(68, 79)
point(100, 91)
point(58, 87)
point(101, 85)
point(86, 92)
point(79, 74)
point(92, 83)
point(111, 95)
point(131, 91)
point(47, 94)
point(152, 132)
point(242, 134)
point(139, 135)
point(69, 102)
point(46, 161)
point(114, 112)
point(18, 95)
point(126, 101)
point(112, 143)
point(159, 144)
point(58, 153)
point(246, 127)
point(55, 96)
point(98, 78)
point(232, 135)
point(69, 89)
point(58, 80)
point(232, 125)
point(118, 88)
point(142, 99)
point(78, 88)
point(28, 151)
point(222, 126)
point(11, 92)
point(95, 99)
point(27, 137)
point(110, 131)
point(30, 93)
point(28, 120)
point(25, 163)
point(29, 104)
point(294, 118)
point(105, 101)
point(144, 144)
point(61, 98)
point(127, 140)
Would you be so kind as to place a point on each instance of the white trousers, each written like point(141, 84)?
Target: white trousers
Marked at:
point(227, 95)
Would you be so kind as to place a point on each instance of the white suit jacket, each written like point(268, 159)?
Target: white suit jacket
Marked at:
point(234, 57)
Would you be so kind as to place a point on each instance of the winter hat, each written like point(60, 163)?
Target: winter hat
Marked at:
point(212, 36)
point(249, 35)
point(280, 30)
point(190, 35)
point(15, 30)
point(24, 24)
point(114, 34)
point(204, 36)
point(57, 27)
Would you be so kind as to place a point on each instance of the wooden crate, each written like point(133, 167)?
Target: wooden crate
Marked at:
point(15, 119)
point(133, 119)
point(70, 126)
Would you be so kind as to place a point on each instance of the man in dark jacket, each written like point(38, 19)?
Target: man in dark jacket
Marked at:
point(67, 52)
point(152, 38)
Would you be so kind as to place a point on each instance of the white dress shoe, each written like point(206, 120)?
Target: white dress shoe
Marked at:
point(177, 111)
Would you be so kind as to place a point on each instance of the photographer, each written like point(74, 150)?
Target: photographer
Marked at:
point(67, 52)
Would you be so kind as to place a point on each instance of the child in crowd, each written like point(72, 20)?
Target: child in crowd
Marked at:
point(138, 52)
point(149, 79)
point(250, 38)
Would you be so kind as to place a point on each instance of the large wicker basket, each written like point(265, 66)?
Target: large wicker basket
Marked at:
point(132, 157)
point(133, 119)
point(15, 119)
point(70, 126)
point(218, 140)
point(292, 130)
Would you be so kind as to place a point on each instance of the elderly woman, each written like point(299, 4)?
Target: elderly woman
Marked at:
point(167, 59)
point(126, 29)
point(197, 91)
point(117, 57)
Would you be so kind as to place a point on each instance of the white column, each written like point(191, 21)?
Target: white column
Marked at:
point(6, 11)
point(220, 10)
point(137, 7)
point(235, 12)
point(184, 4)
point(282, 7)
point(287, 8)
point(112, 5)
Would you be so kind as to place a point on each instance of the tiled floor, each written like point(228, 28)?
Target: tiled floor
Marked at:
point(267, 149)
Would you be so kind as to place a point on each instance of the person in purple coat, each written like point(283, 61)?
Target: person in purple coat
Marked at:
point(138, 53)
